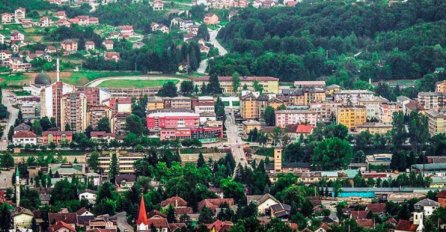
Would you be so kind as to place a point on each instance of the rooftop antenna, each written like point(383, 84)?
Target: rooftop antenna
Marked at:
point(57, 69)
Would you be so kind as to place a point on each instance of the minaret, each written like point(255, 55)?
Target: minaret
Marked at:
point(278, 159)
point(17, 187)
point(57, 70)
point(142, 222)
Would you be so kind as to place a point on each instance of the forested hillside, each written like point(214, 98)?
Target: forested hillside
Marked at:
point(342, 41)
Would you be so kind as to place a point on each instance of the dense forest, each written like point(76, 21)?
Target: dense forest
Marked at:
point(343, 42)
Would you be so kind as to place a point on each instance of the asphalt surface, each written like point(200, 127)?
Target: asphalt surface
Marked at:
point(221, 50)
point(235, 142)
point(13, 112)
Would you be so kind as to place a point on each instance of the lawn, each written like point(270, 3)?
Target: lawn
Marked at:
point(134, 83)
point(14, 79)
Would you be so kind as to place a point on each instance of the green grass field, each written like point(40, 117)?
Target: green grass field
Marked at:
point(14, 79)
point(83, 77)
point(134, 83)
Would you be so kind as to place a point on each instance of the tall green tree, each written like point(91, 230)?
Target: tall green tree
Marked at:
point(104, 125)
point(114, 168)
point(187, 87)
point(270, 116)
point(332, 154)
point(214, 85)
point(5, 217)
point(93, 161)
point(169, 89)
point(220, 109)
point(134, 124)
point(235, 81)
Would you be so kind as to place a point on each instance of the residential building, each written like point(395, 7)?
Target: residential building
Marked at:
point(17, 64)
point(57, 137)
point(432, 100)
point(305, 96)
point(22, 138)
point(157, 5)
point(155, 103)
point(205, 134)
point(89, 45)
point(309, 84)
point(250, 125)
point(287, 117)
point(211, 19)
point(215, 203)
point(171, 119)
point(179, 102)
point(45, 22)
point(269, 84)
point(374, 127)
point(96, 113)
point(126, 30)
point(19, 14)
point(7, 18)
point(436, 122)
point(89, 195)
point(351, 116)
point(102, 136)
point(74, 112)
point(17, 37)
point(112, 56)
point(440, 87)
point(351, 97)
point(373, 106)
point(69, 46)
point(126, 161)
point(108, 44)
point(22, 218)
point(263, 202)
point(2, 39)
point(386, 111)
point(249, 109)
point(51, 100)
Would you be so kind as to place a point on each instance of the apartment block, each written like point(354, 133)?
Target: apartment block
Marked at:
point(351, 116)
point(126, 161)
point(436, 122)
point(351, 97)
point(440, 87)
point(98, 112)
point(177, 103)
point(288, 117)
point(74, 112)
point(432, 100)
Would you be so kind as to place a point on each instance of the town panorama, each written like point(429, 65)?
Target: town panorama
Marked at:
point(223, 116)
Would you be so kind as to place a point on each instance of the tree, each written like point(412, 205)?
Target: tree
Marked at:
point(257, 86)
point(235, 81)
point(187, 87)
point(5, 217)
point(104, 125)
point(134, 124)
point(10, 133)
point(36, 127)
point(214, 85)
point(201, 162)
point(203, 32)
point(6, 160)
point(169, 89)
point(3, 111)
point(93, 161)
point(220, 109)
point(332, 154)
point(171, 214)
point(114, 168)
point(45, 123)
point(233, 189)
point(206, 216)
point(63, 191)
point(270, 116)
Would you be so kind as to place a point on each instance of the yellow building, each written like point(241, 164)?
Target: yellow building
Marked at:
point(351, 116)
point(249, 107)
point(440, 87)
point(22, 218)
point(303, 97)
point(155, 103)
point(436, 121)
point(126, 161)
point(269, 84)
point(250, 125)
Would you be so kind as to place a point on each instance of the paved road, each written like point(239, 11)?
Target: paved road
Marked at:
point(13, 112)
point(97, 82)
point(235, 142)
point(221, 50)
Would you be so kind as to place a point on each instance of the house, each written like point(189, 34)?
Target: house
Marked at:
point(93, 21)
point(50, 49)
point(406, 226)
point(22, 127)
point(19, 14)
point(263, 202)
point(358, 214)
point(281, 211)
point(220, 226)
point(57, 137)
point(214, 203)
point(441, 198)
point(126, 30)
point(102, 136)
point(158, 5)
point(376, 208)
point(365, 223)
point(2, 39)
point(17, 37)
point(63, 23)
point(22, 218)
point(304, 130)
point(64, 216)
point(89, 45)
point(5, 55)
point(27, 23)
point(18, 65)
point(60, 14)
point(61, 226)
point(45, 22)
point(125, 180)
point(427, 206)
point(108, 44)
point(84, 216)
point(211, 19)
point(69, 46)
point(22, 138)
point(179, 205)
point(89, 195)
point(111, 56)
point(6, 18)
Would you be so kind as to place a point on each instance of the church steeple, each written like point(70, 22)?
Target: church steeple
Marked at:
point(142, 222)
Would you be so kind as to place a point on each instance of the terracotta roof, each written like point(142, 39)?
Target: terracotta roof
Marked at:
point(68, 133)
point(360, 214)
point(60, 225)
point(406, 225)
point(376, 207)
point(215, 203)
point(441, 194)
point(70, 218)
point(174, 201)
point(366, 223)
point(183, 210)
point(260, 199)
point(220, 226)
point(304, 129)
point(24, 134)
point(158, 221)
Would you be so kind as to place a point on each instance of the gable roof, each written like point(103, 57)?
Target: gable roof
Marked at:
point(406, 225)
point(359, 214)
point(260, 199)
point(377, 207)
point(427, 202)
point(60, 225)
point(175, 201)
point(366, 223)
point(24, 134)
point(304, 129)
point(70, 218)
point(220, 225)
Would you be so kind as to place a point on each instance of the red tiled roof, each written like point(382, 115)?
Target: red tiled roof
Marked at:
point(24, 134)
point(70, 218)
point(220, 225)
point(174, 201)
point(158, 221)
point(304, 129)
point(360, 214)
point(406, 225)
point(376, 207)
point(441, 194)
point(68, 133)
point(366, 223)
point(142, 215)
point(183, 210)
point(215, 203)
point(60, 225)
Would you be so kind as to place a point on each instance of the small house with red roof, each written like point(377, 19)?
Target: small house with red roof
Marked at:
point(179, 205)
point(441, 198)
point(126, 30)
point(376, 208)
point(6, 18)
point(365, 223)
point(89, 45)
point(215, 203)
point(406, 226)
point(359, 214)
point(211, 19)
point(60, 14)
point(112, 56)
point(61, 226)
point(108, 44)
point(304, 130)
point(220, 226)
point(22, 138)
point(158, 5)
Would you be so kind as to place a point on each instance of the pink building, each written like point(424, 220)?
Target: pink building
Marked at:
point(287, 117)
point(191, 133)
point(172, 120)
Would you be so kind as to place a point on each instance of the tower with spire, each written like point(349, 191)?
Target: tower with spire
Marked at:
point(17, 187)
point(142, 222)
